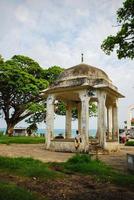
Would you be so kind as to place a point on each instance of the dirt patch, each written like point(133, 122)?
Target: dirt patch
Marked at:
point(36, 151)
point(72, 187)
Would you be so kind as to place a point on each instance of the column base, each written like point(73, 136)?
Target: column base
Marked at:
point(66, 145)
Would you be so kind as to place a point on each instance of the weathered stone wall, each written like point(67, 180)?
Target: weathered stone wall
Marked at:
point(111, 146)
point(65, 146)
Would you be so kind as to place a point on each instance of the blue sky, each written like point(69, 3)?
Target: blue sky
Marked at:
point(55, 32)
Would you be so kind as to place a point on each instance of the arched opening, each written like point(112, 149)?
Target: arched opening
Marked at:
point(92, 118)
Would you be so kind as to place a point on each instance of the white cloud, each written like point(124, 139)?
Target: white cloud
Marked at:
point(56, 32)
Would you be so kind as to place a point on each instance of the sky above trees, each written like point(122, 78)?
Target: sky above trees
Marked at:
point(56, 33)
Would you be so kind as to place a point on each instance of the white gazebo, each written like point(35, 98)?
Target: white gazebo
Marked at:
point(77, 87)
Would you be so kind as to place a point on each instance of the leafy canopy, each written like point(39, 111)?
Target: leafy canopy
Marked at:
point(123, 41)
point(21, 80)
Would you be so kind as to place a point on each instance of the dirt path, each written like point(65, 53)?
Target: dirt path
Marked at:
point(37, 151)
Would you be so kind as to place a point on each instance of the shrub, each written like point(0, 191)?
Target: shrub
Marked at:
point(80, 158)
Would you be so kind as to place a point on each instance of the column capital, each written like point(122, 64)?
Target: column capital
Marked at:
point(115, 102)
point(101, 95)
point(84, 95)
point(50, 98)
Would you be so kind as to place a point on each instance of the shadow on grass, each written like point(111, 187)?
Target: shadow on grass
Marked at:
point(13, 192)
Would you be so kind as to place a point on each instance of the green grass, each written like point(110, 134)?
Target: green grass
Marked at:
point(1, 133)
point(81, 164)
point(85, 165)
point(27, 167)
point(21, 140)
point(129, 143)
point(13, 192)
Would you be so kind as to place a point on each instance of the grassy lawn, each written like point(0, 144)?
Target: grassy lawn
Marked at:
point(29, 168)
point(21, 140)
point(26, 167)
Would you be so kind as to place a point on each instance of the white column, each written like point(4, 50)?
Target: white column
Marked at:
point(101, 118)
point(110, 123)
point(84, 117)
point(79, 117)
point(115, 120)
point(68, 129)
point(50, 119)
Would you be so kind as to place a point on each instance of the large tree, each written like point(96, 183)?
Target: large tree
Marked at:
point(123, 41)
point(21, 80)
point(39, 114)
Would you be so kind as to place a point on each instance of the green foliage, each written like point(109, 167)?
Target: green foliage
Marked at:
point(61, 110)
point(32, 128)
point(1, 60)
point(21, 140)
point(21, 80)
point(129, 143)
point(27, 167)
point(12, 192)
point(28, 65)
point(52, 73)
point(123, 41)
point(1, 133)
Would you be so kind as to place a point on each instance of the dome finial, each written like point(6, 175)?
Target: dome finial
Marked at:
point(82, 57)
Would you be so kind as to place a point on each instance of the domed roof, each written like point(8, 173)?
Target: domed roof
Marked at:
point(83, 70)
point(80, 77)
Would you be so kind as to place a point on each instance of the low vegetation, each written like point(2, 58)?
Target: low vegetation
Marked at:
point(28, 169)
point(129, 143)
point(21, 140)
point(85, 165)
point(13, 192)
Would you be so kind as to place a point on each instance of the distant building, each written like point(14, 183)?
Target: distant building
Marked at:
point(19, 131)
point(130, 120)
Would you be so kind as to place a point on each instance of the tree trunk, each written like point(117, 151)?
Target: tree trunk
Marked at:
point(10, 128)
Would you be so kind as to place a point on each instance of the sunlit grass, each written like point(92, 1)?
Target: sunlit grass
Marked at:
point(21, 140)
point(27, 167)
